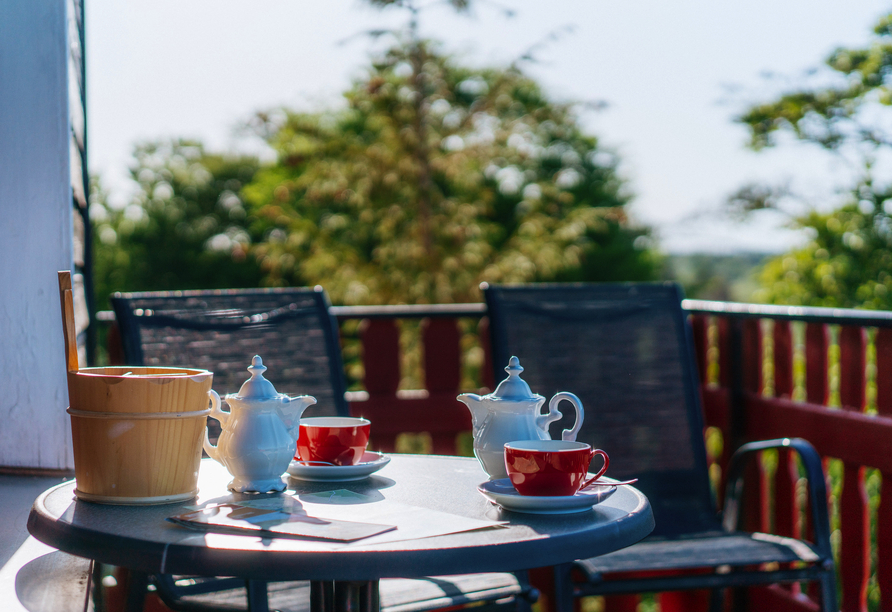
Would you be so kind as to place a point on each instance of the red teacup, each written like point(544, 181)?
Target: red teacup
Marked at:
point(551, 467)
point(332, 440)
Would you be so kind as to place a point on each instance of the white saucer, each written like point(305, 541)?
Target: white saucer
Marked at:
point(503, 493)
point(369, 464)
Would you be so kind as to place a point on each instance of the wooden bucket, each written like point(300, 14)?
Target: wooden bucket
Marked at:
point(137, 432)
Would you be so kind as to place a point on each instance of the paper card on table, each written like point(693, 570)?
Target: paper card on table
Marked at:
point(412, 522)
point(284, 517)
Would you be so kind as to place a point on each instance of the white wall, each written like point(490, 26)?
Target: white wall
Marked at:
point(35, 232)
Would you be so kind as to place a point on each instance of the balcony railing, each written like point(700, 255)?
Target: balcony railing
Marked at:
point(433, 410)
point(766, 372)
point(824, 375)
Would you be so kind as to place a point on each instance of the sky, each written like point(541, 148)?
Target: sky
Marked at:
point(673, 76)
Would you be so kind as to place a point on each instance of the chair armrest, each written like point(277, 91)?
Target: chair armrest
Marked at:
point(817, 486)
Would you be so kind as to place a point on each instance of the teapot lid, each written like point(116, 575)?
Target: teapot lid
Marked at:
point(514, 387)
point(257, 387)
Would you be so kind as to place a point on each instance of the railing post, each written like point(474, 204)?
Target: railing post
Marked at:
point(747, 380)
point(783, 359)
point(817, 391)
point(711, 418)
point(381, 363)
point(750, 384)
point(729, 353)
point(728, 359)
point(740, 370)
point(817, 341)
point(751, 364)
point(883, 345)
point(855, 547)
point(487, 376)
point(380, 356)
point(442, 355)
point(714, 401)
point(442, 374)
point(786, 506)
point(700, 327)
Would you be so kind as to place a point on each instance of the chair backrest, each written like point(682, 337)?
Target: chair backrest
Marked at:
point(221, 330)
point(626, 350)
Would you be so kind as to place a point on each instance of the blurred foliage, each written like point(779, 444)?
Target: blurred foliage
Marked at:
point(715, 277)
point(837, 115)
point(458, 5)
point(753, 197)
point(847, 261)
point(432, 178)
point(185, 228)
point(436, 177)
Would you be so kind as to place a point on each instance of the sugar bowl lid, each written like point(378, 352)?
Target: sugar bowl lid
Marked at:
point(257, 387)
point(514, 388)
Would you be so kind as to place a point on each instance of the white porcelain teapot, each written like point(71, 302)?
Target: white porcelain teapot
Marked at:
point(511, 413)
point(259, 435)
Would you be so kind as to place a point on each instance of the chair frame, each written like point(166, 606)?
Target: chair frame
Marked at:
point(567, 588)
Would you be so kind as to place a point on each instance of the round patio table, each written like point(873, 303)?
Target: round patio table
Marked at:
point(139, 537)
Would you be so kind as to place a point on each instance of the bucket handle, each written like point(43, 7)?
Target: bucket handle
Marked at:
point(221, 416)
point(69, 330)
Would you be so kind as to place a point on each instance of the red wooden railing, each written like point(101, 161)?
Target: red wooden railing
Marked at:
point(767, 372)
point(432, 410)
point(824, 375)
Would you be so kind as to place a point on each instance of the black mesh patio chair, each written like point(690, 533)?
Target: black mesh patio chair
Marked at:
point(221, 330)
point(626, 351)
point(297, 337)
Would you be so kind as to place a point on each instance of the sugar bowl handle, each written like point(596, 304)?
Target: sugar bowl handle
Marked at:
point(568, 434)
point(217, 413)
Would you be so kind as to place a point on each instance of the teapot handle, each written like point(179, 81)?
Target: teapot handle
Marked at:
point(567, 434)
point(221, 416)
point(544, 420)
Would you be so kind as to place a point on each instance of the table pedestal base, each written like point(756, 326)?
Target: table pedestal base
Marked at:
point(353, 596)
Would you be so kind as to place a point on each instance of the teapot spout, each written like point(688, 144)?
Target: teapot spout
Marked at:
point(291, 410)
point(476, 405)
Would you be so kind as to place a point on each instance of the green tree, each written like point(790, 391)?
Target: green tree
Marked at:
point(847, 260)
point(842, 114)
point(436, 177)
point(185, 228)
